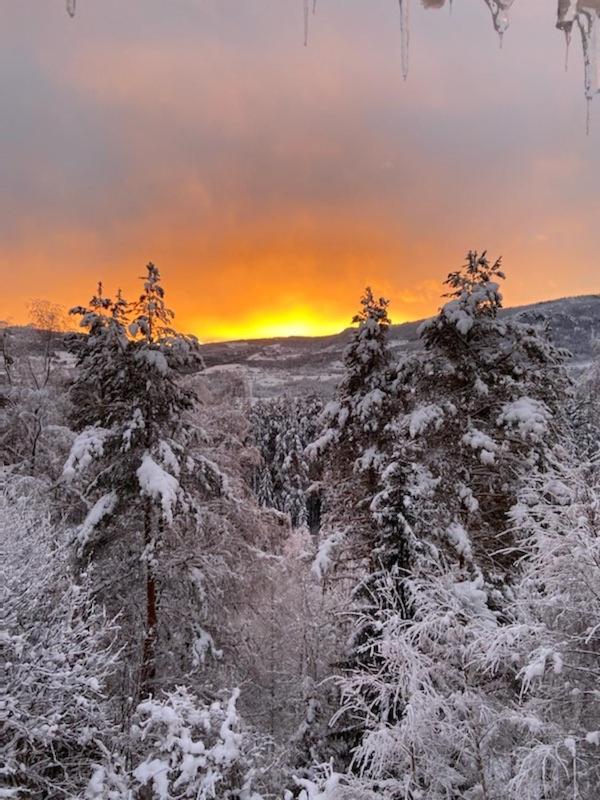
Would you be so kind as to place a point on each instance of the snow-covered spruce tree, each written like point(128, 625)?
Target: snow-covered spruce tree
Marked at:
point(353, 440)
point(130, 465)
point(473, 413)
point(550, 645)
point(98, 394)
point(352, 446)
point(58, 652)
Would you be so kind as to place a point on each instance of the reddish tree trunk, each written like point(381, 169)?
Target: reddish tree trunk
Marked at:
point(148, 669)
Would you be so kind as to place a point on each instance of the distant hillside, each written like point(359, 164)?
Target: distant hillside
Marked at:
point(314, 363)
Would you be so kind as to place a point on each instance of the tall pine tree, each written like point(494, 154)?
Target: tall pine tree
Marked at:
point(131, 463)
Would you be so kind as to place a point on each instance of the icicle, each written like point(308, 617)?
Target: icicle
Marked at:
point(567, 48)
point(404, 35)
point(306, 14)
point(71, 7)
point(314, 6)
point(450, 5)
point(499, 10)
point(588, 115)
point(588, 20)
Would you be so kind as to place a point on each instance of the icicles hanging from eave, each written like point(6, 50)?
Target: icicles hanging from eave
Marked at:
point(586, 15)
point(71, 7)
point(404, 36)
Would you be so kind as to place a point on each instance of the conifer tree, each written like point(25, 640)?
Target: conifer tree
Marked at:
point(472, 414)
point(353, 439)
point(133, 443)
point(549, 645)
point(352, 446)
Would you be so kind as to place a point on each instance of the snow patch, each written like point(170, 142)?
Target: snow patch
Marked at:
point(102, 508)
point(88, 446)
point(158, 484)
point(528, 417)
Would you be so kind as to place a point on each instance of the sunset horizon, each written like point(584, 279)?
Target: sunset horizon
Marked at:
point(271, 196)
point(293, 322)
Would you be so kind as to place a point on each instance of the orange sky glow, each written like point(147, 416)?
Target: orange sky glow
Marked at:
point(270, 182)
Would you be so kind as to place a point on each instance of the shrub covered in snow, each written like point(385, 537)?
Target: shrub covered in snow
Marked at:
point(59, 655)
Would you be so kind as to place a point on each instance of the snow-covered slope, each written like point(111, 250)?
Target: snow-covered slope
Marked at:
point(305, 364)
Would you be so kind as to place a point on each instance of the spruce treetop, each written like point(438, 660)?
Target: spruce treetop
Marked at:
point(367, 355)
point(474, 296)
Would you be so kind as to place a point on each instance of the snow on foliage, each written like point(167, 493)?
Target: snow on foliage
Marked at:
point(526, 416)
point(155, 359)
point(192, 749)
point(87, 447)
point(438, 550)
point(326, 787)
point(103, 507)
point(463, 616)
point(418, 421)
point(325, 556)
point(480, 441)
point(58, 657)
point(459, 539)
point(158, 484)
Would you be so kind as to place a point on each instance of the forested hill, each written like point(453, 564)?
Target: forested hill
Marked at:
point(306, 364)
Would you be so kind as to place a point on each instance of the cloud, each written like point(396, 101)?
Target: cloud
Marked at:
point(270, 179)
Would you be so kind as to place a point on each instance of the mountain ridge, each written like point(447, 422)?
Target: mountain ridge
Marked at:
point(305, 364)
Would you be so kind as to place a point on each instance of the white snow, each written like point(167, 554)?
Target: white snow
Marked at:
point(168, 458)
point(158, 484)
point(102, 508)
point(324, 558)
point(325, 790)
point(227, 751)
point(154, 359)
point(423, 417)
point(156, 771)
point(459, 539)
point(527, 417)
point(537, 665)
point(478, 440)
point(88, 446)
point(136, 423)
point(473, 597)
point(371, 402)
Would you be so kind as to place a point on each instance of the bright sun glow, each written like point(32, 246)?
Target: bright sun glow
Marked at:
point(290, 322)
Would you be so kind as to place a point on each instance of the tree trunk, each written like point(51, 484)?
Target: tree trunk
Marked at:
point(148, 668)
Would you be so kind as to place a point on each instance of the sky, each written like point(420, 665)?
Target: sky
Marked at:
point(271, 182)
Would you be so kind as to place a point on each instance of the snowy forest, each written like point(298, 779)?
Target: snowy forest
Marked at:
point(393, 592)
